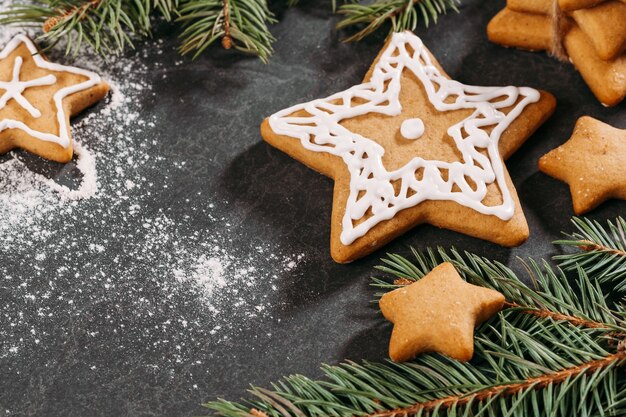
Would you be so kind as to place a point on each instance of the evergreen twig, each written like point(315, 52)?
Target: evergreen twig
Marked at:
point(513, 389)
point(402, 14)
point(240, 24)
point(108, 26)
point(557, 349)
point(603, 255)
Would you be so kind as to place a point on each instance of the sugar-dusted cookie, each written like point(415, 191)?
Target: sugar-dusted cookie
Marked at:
point(438, 313)
point(38, 97)
point(592, 162)
point(520, 30)
point(605, 27)
point(606, 79)
point(410, 146)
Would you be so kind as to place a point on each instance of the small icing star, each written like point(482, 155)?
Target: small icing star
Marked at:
point(37, 99)
point(592, 162)
point(408, 146)
point(438, 313)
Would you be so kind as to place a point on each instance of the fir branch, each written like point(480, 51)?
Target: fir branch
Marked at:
point(109, 26)
point(556, 350)
point(576, 321)
point(106, 25)
point(589, 369)
point(553, 291)
point(53, 21)
point(435, 385)
point(602, 251)
point(402, 14)
point(240, 24)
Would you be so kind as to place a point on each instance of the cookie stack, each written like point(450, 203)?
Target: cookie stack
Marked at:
point(591, 32)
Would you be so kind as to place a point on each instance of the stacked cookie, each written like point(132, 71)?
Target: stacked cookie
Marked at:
point(592, 33)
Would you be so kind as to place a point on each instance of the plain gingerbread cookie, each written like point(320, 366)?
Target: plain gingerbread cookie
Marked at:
point(438, 313)
point(592, 162)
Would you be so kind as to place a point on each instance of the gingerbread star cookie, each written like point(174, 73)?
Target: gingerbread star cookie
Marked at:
point(592, 162)
point(438, 313)
point(409, 146)
point(592, 38)
point(37, 99)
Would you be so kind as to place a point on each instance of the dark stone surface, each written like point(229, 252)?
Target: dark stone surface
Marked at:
point(325, 316)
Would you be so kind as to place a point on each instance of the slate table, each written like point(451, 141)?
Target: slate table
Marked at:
point(324, 314)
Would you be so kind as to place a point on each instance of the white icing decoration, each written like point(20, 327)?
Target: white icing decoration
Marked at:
point(15, 87)
point(412, 128)
point(322, 132)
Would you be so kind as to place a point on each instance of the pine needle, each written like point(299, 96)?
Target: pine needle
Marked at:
point(108, 26)
point(602, 251)
point(400, 14)
point(239, 24)
point(558, 349)
point(112, 26)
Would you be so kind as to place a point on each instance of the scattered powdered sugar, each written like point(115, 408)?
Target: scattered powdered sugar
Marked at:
point(86, 164)
point(216, 272)
point(207, 272)
point(87, 240)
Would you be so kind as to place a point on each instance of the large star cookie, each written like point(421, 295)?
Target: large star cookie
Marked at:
point(37, 99)
point(592, 162)
point(438, 313)
point(409, 146)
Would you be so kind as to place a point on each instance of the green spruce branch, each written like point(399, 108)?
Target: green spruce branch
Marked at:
point(558, 349)
point(111, 26)
point(108, 26)
point(602, 251)
point(402, 14)
point(242, 24)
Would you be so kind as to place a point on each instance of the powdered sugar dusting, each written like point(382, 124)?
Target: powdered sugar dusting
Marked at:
point(98, 218)
point(86, 164)
point(208, 273)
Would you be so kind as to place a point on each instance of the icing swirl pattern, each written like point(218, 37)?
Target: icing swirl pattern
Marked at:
point(373, 198)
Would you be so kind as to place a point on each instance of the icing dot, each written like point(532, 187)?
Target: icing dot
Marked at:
point(412, 128)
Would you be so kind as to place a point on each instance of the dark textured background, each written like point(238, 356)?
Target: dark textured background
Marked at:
point(325, 316)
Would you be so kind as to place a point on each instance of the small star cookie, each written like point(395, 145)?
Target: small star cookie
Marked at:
point(592, 162)
point(37, 99)
point(410, 146)
point(438, 313)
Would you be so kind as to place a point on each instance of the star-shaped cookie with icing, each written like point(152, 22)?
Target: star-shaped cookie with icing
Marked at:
point(37, 99)
point(592, 162)
point(409, 146)
point(438, 313)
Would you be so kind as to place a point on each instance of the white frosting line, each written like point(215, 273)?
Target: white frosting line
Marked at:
point(15, 87)
point(371, 185)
